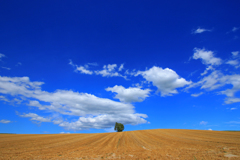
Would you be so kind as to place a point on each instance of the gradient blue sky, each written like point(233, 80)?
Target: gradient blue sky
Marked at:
point(81, 66)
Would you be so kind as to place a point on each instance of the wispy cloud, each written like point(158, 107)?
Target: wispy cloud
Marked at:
point(18, 64)
point(81, 69)
point(35, 117)
point(109, 70)
point(6, 68)
point(121, 67)
point(235, 53)
point(5, 121)
point(233, 63)
point(217, 78)
point(201, 30)
point(235, 29)
point(196, 94)
point(233, 122)
point(203, 123)
point(2, 55)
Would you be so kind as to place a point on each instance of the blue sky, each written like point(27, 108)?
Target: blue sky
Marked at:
point(81, 66)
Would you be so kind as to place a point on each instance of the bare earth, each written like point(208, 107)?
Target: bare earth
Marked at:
point(144, 144)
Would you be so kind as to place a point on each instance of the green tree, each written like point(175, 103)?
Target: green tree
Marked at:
point(119, 127)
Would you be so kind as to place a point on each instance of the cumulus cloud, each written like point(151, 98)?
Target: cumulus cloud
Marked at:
point(5, 121)
point(104, 121)
point(196, 94)
point(67, 102)
point(203, 123)
point(206, 56)
point(129, 94)
point(166, 80)
point(200, 30)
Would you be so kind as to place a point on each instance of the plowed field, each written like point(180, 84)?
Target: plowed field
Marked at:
point(144, 144)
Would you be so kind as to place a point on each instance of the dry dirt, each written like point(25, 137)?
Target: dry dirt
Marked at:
point(144, 144)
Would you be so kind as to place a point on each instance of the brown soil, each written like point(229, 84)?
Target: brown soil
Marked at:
point(144, 144)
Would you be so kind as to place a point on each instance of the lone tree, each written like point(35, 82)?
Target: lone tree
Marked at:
point(119, 127)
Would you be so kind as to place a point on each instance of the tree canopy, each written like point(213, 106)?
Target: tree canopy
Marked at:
point(119, 127)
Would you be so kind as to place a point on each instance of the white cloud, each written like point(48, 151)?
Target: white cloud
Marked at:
point(207, 57)
point(121, 67)
point(18, 85)
point(235, 53)
point(233, 109)
point(107, 71)
point(104, 121)
point(18, 64)
point(84, 70)
point(81, 69)
point(201, 30)
point(93, 64)
point(203, 123)
point(196, 94)
point(67, 102)
point(235, 81)
point(2, 55)
point(35, 117)
point(4, 99)
point(64, 132)
point(235, 29)
point(206, 70)
point(129, 94)
point(166, 80)
point(233, 122)
point(233, 62)
point(6, 68)
point(216, 80)
point(232, 100)
point(5, 121)
point(210, 129)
